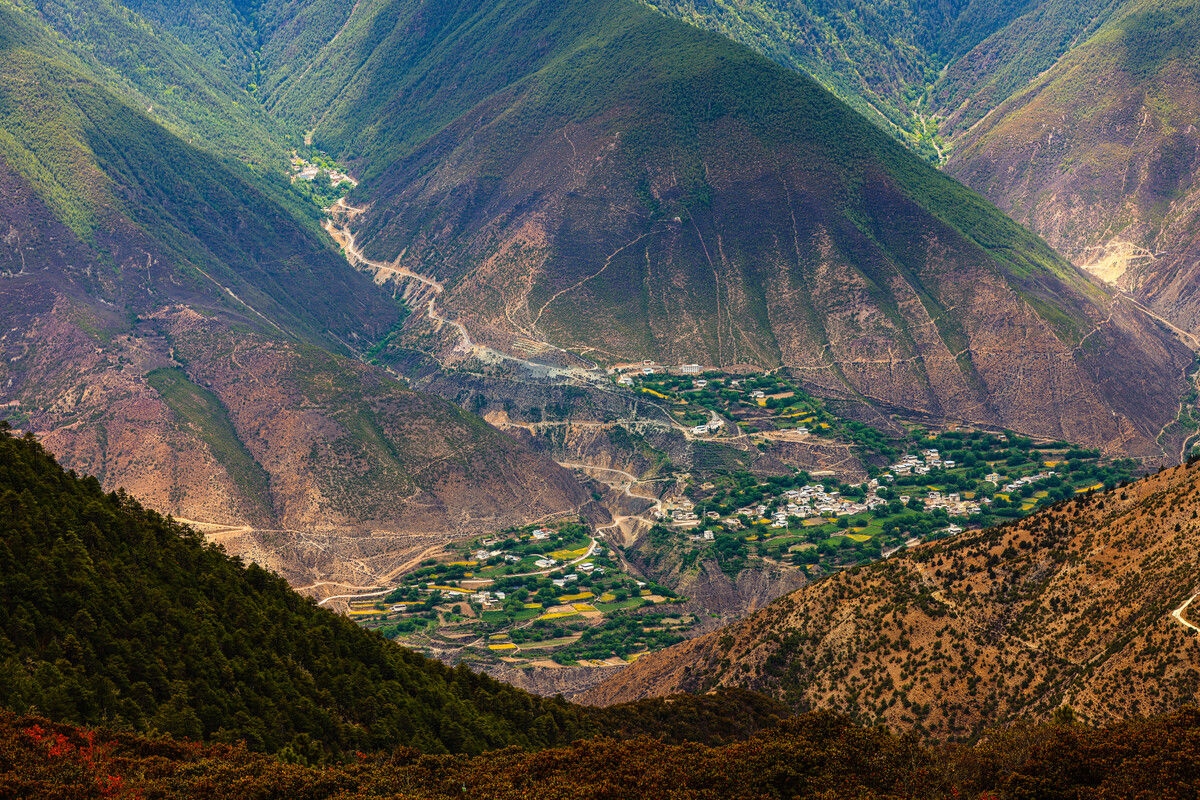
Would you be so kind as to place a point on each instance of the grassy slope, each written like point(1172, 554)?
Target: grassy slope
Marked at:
point(122, 182)
point(1143, 56)
point(1007, 60)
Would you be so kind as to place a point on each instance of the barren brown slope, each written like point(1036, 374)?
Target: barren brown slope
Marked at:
point(1072, 605)
point(1101, 155)
point(327, 468)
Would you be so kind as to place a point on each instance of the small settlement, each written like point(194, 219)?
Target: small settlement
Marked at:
point(546, 595)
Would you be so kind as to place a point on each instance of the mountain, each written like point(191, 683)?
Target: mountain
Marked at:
point(1074, 118)
point(152, 69)
point(1099, 155)
point(920, 70)
point(113, 615)
point(178, 324)
point(1084, 604)
point(597, 177)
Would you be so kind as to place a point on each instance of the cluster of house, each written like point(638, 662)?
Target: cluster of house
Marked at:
point(1019, 482)
point(953, 502)
point(814, 500)
point(713, 426)
point(488, 598)
point(308, 172)
point(588, 569)
point(680, 511)
point(922, 464)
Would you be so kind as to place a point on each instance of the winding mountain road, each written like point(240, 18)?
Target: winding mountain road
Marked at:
point(342, 234)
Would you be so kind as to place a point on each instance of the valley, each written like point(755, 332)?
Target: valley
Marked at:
point(521, 398)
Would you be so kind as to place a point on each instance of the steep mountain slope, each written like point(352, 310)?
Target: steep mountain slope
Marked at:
point(1076, 118)
point(168, 320)
point(1099, 155)
point(619, 184)
point(113, 614)
point(320, 468)
point(153, 70)
point(1073, 605)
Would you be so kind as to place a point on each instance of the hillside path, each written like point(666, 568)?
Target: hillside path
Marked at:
point(633, 481)
point(1178, 613)
point(354, 596)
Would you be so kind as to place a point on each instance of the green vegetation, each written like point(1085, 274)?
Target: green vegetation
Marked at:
point(878, 57)
point(527, 594)
point(112, 613)
point(939, 485)
point(904, 65)
point(690, 107)
point(213, 230)
point(157, 72)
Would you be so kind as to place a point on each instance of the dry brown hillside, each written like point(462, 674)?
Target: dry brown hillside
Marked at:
point(1072, 605)
point(315, 465)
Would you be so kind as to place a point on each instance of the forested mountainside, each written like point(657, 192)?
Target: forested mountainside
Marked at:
point(1100, 155)
point(151, 69)
point(816, 755)
point(905, 65)
point(594, 175)
point(1083, 604)
point(172, 317)
point(114, 615)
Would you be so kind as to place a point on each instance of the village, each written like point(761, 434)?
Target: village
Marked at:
point(558, 595)
point(545, 596)
point(949, 482)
